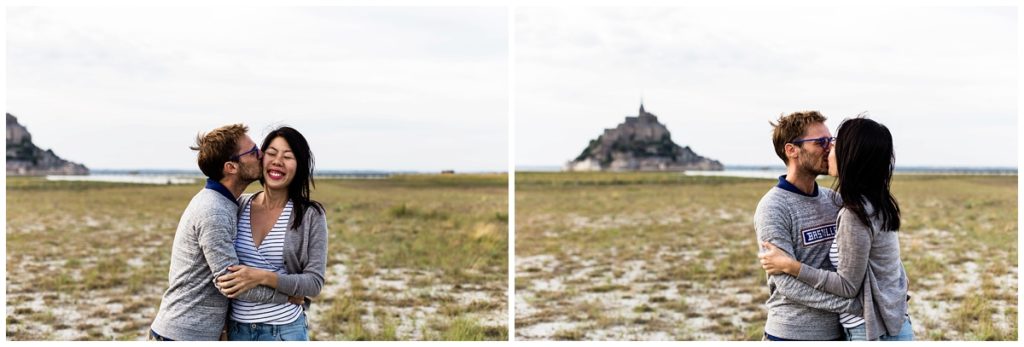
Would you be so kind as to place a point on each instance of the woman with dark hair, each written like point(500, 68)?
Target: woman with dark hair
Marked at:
point(281, 243)
point(866, 249)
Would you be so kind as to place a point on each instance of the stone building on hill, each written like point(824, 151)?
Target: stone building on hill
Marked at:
point(25, 159)
point(641, 143)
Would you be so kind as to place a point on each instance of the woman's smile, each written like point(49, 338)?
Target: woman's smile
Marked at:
point(275, 174)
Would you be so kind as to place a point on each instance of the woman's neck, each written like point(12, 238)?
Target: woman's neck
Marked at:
point(273, 198)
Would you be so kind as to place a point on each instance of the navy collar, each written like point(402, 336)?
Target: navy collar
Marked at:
point(785, 185)
point(220, 188)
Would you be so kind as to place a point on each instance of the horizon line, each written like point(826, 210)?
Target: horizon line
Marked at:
point(779, 166)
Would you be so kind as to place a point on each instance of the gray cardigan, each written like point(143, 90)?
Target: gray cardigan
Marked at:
point(193, 308)
point(305, 253)
point(869, 267)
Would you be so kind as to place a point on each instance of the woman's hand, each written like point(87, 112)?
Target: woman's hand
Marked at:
point(298, 300)
point(242, 278)
point(775, 261)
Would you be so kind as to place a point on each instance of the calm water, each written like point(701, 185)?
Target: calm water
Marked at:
point(136, 179)
point(775, 172)
point(189, 177)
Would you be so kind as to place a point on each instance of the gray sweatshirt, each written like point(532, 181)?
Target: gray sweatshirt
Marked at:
point(192, 308)
point(802, 226)
point(305, 253)
point(869, 265)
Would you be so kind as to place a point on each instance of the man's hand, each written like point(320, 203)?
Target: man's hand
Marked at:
point(240, 279)
point(298, 300)
point(775, 261)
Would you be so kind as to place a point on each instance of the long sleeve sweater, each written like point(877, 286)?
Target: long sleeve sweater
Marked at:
point(802, 225)
point(193, 308)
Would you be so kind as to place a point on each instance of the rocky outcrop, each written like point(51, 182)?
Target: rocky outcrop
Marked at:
point(640, 144)
point(25, 159)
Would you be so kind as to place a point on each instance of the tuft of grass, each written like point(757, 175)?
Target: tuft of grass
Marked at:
point(605, 288)
point(643, 309)
point(678, 305)
point(406, 211)
point(974, 318)
point(569, 335)
point(467, 330)
point(522, 283)
point(501, 217)
point(388, 329)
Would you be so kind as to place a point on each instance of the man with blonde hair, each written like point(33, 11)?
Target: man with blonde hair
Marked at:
point(800, 218)
point(193, 308)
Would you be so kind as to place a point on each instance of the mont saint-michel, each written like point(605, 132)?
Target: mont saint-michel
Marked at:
point(641, 143)
point(25, 159)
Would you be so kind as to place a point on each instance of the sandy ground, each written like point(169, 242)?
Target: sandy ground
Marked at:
point(114, 313)
point(87, 273)
point(585, 294)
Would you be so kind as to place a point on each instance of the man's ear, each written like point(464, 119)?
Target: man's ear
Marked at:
point(792, 151)
point(230, 168)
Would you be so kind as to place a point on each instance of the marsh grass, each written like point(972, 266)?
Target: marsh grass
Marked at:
point(569, 335)
point(674, 256)
point(100, 251)
point(462, 329)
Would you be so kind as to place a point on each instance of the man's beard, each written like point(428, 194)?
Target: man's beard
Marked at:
point(815, 167)
point(250, 174)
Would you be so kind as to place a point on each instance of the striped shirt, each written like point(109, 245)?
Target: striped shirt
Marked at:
point(846, 319)
point(269, 256)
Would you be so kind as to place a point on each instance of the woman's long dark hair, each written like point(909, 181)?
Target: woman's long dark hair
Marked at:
point(298, 189)
point(864, 161)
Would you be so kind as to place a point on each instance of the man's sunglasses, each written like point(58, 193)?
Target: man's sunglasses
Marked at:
point(255, 149)
point(824, 142)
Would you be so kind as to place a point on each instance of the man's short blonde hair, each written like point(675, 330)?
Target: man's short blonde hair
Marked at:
point(790, 127)
point(216, 148)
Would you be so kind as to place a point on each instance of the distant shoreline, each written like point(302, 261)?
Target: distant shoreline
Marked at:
point(166, 177)
point(318, 173)
point(761, 171)
point(162, 177)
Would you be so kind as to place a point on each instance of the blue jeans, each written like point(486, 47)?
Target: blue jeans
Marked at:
point(153, 336)
point(770, 337)
point(294, 331)
point(860, 333)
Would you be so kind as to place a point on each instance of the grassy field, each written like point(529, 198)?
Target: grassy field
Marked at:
point(661, 256)
point(419, 257)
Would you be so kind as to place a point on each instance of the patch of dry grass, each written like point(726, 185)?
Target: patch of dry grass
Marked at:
point(674, 257)
point(88, 260)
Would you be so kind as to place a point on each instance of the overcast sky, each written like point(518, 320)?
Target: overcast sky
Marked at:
point(387, 88)
point(944, 80)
